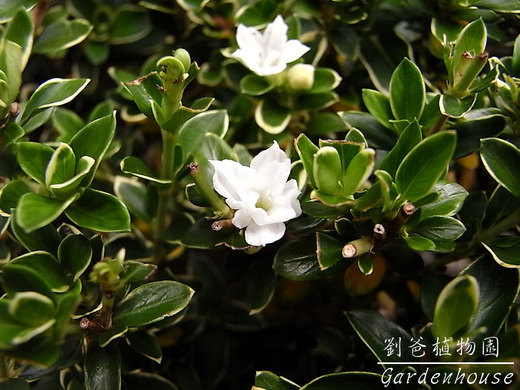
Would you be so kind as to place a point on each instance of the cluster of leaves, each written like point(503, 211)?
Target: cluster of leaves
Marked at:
point(120, 265)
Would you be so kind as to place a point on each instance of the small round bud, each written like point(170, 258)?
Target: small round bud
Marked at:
point(300, 77)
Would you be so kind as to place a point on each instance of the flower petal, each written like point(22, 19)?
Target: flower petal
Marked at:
point(293, 50)
point(263, 235)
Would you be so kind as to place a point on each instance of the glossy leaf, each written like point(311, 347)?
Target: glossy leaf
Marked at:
point(99, 211)
point(20, 31)
point(504, 250)
point(358, 171)
point(269, 381)
point(475, 125)
point(472, 39)
point(455, 306)
point(74, 254)
point(328, 250)
point(327, 169)
point(47, 266)
point(54, 92)
point(62, 35)
point(439, 228)
point(297, 260)
point(11, 194)
point(46, 238)
point(499, 289)
point(449, 202)
point(33, 158)
point(456, 107)
point(152, 302)
point(255, 85)
point(35, 211)
point(271, 117)
point(261, 285)
point(19, 278)
point(376, 331)
point(102, 367)
point(193, 131)
point(306, 150)
point(129, 24)
point(32, 309)
point(378, 105)
point(61, 166)
point(407, 91)
point(502, 159)
point(134, 166)
point(377, 135)
point(134, 196)
point(146, 344)
point(144, 91)
point(426, 163)
point(409, 138)
point(93, 141)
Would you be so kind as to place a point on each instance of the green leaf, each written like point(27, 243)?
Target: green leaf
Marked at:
point(20, 31)
point(74, 254)
point(11, 133)
point(102, 367)
point(325, 80)
point(407, 91)
point(500, 6)
point(455, 306)
point(477, 124)
point(272, 117)
point(297, 260)
point(424, 165)
point(261, 285)
point(420, 243)
point(134, 166)
point(377, 332)
point(62, 35)
point(52, 93)
point(67, 123)
point(346, 380)
point(377, 135)
point(450, 200)
point(499, 288)
point(33, 158)
point(32, 309)
point(193, 131)
point(10, 8)
point(152, 302)
point(327, 169)
point(378, 105)
point(269, 381)
point(18, 278)
point(129, 24)
point(35, 211)
point(145, 91)
point(46, 238)
point(61, 166)
point(99, 211)
point(472, 39)
point(306, 150)
point(11, 194)
point(134, 195)
point(328, 250)
point(47, 267)
point(409, 138)
point(439, 228)
point(456, 107)
point(504, 250)
point(358, 171)
point(146, 344)
point(255, 85)
point(501, 159)
point(93, 141)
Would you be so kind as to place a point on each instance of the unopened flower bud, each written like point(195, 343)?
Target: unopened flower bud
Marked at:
point(300, 77)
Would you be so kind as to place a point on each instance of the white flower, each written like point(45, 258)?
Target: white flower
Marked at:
point(260, 194)
point(267, 53)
